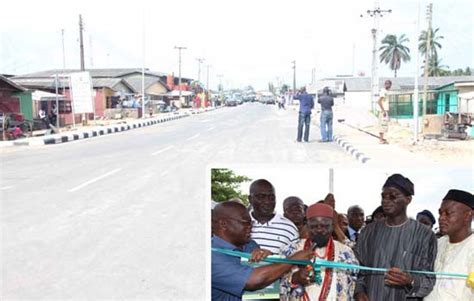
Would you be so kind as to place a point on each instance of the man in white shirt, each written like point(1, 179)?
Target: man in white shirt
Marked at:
point(383, 111)
point(456, 248)
point(271, 231)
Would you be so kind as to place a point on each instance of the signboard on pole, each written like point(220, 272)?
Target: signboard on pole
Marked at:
point(81, 87)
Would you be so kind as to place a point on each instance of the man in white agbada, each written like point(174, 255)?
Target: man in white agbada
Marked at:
point(456, 248)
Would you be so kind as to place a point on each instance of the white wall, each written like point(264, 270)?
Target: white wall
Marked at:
point(358, 99)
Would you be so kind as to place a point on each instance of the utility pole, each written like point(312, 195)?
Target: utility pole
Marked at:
point(143, 65)
point(220, 82)
point(375, 13)
point(416, 96)
point(179, 74)
point(64, 52)
point(207, 84)
point(429, 15)
point(200, 60)
point(81, 28)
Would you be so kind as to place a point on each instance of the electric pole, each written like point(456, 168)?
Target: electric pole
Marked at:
point(64, 52)
point(81, 28)
point(429, 15)
point(179, 74)
point(375, 13)
point(200, 60)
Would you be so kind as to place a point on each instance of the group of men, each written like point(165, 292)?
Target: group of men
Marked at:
point(404, 247)
point(304, 116)
point(326, 118)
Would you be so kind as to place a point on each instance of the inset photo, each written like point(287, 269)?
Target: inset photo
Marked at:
point(320, 233)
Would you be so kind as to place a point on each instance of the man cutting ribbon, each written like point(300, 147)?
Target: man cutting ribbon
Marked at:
point(324, 283)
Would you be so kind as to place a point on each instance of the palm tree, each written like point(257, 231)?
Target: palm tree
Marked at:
point(435, 68)
point(434, 43)
point(394, 52)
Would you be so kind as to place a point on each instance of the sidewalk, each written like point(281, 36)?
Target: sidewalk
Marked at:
point(355, 130)
point(106, 127)
point(359, 129)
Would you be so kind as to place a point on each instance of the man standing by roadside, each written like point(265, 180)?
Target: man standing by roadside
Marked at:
point(230, 278)
point(456, 248)
point(326, 101)
point(355, 216)
point(270, 230)
point(396, 243)
point(306, 105)
point(383, 112)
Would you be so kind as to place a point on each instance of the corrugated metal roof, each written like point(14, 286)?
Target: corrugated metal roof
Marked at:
point(355, 84)
point(136, 82)
point(11, 83)
point(48, 83)
point(102, 73)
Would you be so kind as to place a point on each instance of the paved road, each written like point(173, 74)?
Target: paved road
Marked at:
point(124, 215)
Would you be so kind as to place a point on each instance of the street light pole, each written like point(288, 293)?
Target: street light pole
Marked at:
point(294, 76)
point(200, 61)
point(179, 74)
point(375, 13)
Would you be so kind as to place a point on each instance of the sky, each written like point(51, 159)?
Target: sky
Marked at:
point(247, 42)
point(356, 186)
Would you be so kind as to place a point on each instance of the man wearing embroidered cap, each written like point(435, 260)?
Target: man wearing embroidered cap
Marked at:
point(334, 284)
point(398, 244)
point(456, 248)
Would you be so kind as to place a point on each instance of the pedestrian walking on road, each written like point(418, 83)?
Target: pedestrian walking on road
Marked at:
point(383, 112)
point(326, 101)
point(306, 105)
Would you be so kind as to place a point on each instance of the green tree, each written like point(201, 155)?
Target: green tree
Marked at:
point(393, 52)
point(435, 68)
point(434, 43)
point(224, 185)
point(284, 88)
point(467, 71)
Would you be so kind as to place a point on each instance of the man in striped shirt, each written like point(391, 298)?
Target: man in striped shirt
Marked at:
point(270, 230)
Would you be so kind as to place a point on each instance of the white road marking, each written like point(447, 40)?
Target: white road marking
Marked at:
point(164, 173)
point(193, 137)
point(162, 150)
point(6, 187)
point(95, 180)
point(210, 129)
point(205, 120)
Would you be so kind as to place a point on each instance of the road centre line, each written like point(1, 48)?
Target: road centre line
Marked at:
point(193, 137)
point(164, 173)
point(95, 180)
point(162, 150)
point(6, 187)
point(210, 129)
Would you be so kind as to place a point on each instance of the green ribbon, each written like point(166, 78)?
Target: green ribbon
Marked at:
point(328, 264)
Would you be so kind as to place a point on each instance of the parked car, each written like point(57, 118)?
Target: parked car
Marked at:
point(267, 100)
point(231, 102)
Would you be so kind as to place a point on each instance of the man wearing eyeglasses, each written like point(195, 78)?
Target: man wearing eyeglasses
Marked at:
point(230, 278)
point(399, 244)
point(271, 231)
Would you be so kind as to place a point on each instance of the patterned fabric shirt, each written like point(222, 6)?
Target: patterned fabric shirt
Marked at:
point(342, 282)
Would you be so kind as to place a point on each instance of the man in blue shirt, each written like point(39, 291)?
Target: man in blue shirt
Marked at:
point(231, 226)
point(306, 104)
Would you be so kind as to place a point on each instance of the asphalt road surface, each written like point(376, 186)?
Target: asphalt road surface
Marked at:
point(123, 216)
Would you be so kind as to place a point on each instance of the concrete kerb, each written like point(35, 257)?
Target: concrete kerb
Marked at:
point(95, 132)
point(351, 150)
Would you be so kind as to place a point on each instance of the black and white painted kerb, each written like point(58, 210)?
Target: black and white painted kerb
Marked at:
point(359, 156)
point(100, 131)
